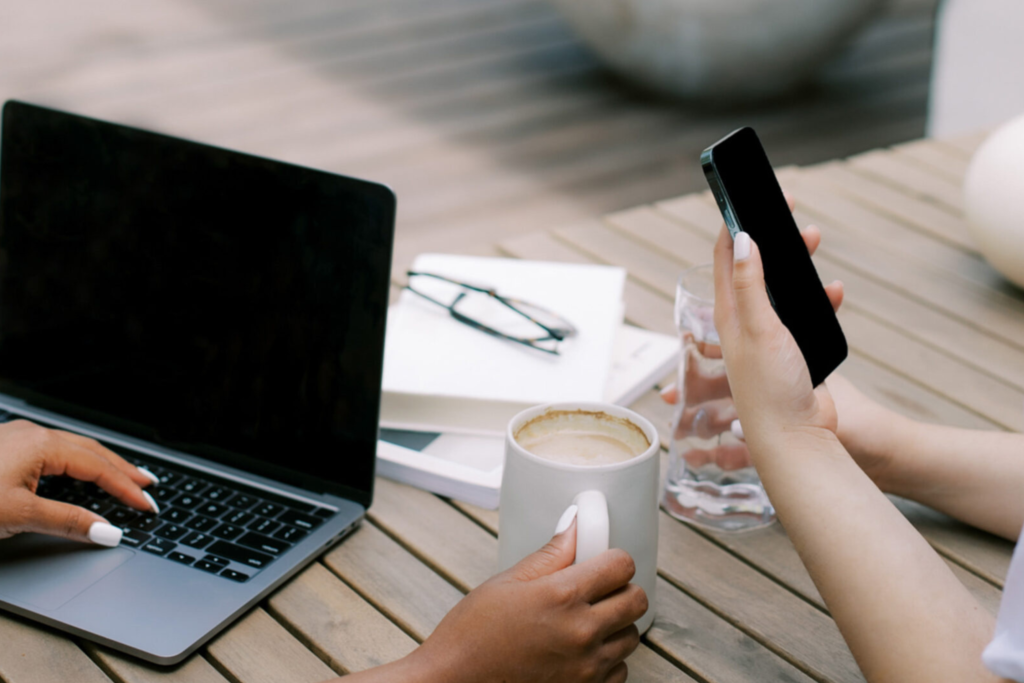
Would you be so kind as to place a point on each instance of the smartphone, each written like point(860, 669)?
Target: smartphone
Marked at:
point(750, 199)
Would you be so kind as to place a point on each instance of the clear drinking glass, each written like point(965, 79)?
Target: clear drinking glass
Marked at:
point(711, 480)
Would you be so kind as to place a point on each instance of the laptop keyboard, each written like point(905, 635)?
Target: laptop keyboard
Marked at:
point(205, 522)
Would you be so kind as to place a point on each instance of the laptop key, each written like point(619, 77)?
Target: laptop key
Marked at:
point(237, 553)
point(145, 523)
point(163, 493)
point(99, 507)
point(176, 515)
point(212, 509)
point(166, 477)
point(192, 486)
point(243, 502)
point(159, 546)
point(239, 518)
point(200, 523)
point(264, 526)
point(227, 531)
point(219, 493)
point(197, 540)
point(291, 534)
point(171, 532)
point(269, 510)
point(134, 538)
point(207, 566)
point(220, 561)
point(181, 557)
point(121, 516)
point(186, 500)
point(235, 576)
point(264, 543)
point(300, 520)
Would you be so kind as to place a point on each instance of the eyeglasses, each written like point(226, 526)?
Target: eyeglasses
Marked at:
point(484, 309)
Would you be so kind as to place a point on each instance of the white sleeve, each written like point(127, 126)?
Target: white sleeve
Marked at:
point(1004, 656)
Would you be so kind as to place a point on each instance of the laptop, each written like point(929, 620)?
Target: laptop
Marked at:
point(214, 316)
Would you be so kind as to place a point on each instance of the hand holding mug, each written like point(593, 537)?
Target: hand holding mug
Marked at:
point(545, 620)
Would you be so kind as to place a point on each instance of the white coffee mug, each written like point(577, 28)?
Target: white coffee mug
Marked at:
point(618, 503)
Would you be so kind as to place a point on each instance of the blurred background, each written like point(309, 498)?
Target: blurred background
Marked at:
point(487, 117)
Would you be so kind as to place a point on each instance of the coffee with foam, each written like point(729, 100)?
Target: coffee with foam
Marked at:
point(580, 437)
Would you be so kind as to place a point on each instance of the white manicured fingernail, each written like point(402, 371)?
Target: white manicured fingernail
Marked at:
point(566, 520)
point(667, 390)
point(152, 503)
point(741, 247)
point(149, 475)
point(737, 430)
point(102, 533)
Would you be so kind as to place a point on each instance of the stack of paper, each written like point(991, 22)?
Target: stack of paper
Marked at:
point(450, 390)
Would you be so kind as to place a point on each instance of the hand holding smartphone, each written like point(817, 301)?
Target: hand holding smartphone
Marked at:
point(750, 199)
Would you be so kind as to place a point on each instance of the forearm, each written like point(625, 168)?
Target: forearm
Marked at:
point(974, 476)
point(903, 613)
point(413, 668)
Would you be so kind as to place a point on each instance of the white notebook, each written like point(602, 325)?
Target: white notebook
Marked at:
point(441, 375)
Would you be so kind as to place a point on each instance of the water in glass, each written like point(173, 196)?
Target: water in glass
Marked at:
point(711, 480)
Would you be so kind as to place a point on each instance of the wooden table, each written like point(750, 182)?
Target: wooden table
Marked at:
point(934, 333)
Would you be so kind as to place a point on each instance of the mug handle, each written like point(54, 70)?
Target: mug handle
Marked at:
point(591, 525)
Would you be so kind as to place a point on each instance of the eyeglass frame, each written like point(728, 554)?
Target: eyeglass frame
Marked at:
point(553, 334)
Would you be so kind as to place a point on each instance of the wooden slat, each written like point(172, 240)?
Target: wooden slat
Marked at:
point(125, 669)
point(332, 620)
point(916, 213)
point(393, 580)
point(794, 629)
point(32, 654)
point(893, 170)
point(257, 649)
point(435, 532)
point(965, 144)
point(934, 158)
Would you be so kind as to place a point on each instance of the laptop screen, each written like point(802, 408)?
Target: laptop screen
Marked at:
point(219, 304)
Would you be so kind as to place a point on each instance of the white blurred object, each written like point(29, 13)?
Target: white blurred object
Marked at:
point(976, 66)
point(730, 50)
point(994, 199)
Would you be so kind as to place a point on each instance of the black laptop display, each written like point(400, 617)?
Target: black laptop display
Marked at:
point(212, 302)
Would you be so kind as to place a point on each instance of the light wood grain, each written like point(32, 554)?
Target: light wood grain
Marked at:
point(435, 532)
point(791, 627)
point(32, 654)
point(713, 649)
point(335, 622)
point(911, 178)
point(257, 649)
point(393, 580)
point(125, 669)
point(918, 214)
point(934, 158)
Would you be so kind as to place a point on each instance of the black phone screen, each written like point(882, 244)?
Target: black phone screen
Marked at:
point(746, 186)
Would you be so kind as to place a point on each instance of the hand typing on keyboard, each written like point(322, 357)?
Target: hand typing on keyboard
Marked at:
point(32, 458)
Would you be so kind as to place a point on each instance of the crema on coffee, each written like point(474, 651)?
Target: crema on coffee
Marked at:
point(579, 437)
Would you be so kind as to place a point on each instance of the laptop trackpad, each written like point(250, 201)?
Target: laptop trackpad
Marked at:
point(47, 572)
